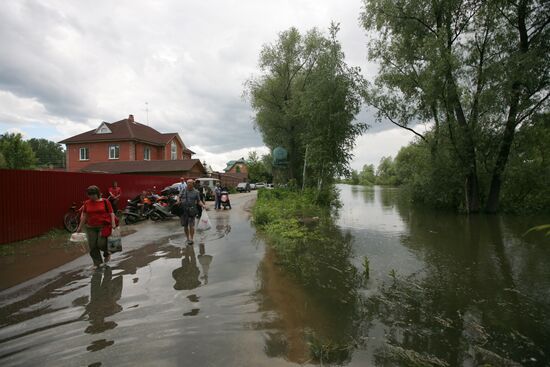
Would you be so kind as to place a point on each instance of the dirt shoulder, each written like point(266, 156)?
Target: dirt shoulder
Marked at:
point(24, 260)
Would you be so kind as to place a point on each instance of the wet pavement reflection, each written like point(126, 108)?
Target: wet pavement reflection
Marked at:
point(159, 303)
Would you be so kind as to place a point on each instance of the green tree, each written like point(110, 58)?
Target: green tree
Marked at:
point(385, 173)
point(354, 178)
point(17, 153)
point(527, 176)
point(257, 170)
point(367, 175)
point(274, 94)
point(476, 70)
point(306, 100)
point(47, 152)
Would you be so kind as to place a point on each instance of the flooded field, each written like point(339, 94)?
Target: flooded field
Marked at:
point(448, 289)
point(442, 290)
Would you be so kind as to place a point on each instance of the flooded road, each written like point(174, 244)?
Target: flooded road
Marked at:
point(161, 303)
point(443, 290)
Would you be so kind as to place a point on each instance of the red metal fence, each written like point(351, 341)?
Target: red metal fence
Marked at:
point(34, 202)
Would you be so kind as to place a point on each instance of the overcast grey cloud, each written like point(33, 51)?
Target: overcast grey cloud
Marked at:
point(67, 65)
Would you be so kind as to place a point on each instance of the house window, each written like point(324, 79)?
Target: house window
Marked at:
point(114, 151)
point(173, 151)
point(146, 154)
point(84, 154)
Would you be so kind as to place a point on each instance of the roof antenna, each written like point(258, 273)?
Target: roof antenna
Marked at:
point(147, 111)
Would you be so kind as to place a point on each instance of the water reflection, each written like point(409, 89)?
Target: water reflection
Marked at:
point(470, 302)
point(204, 260)
point(367, 193)
point(187, 275)
point(311, 314)
point(104, 294)
point(445, 290)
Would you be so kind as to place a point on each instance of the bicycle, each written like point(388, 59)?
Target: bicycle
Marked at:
point(71, 219)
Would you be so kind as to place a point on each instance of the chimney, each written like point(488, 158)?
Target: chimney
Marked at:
point(131, 118)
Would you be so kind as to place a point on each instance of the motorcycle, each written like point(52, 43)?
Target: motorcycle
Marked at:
point(162, 209)
point(133, 212)
point(224, 199)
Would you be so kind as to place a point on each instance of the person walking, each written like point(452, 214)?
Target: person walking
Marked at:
point(97, 214)
point(189, 199)
point(182, 185)
point(217, 196)
point(114, 195)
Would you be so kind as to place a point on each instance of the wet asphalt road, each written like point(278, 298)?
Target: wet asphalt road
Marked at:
point(160, 302)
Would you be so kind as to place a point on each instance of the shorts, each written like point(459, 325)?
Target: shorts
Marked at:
point(187, 220)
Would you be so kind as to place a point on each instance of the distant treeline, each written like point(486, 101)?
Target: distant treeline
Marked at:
point(17, 153)
point(435, 178)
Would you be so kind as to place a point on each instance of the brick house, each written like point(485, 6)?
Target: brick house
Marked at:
point(117, 147)
point(238, 166)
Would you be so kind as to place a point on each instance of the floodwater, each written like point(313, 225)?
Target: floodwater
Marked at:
point(161, 303)
point(448, 289)
point(443, 290)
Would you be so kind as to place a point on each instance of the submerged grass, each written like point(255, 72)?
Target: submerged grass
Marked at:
point(307, 242)
point(317, 255)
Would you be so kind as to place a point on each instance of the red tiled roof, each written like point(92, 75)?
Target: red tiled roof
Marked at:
point(123, 130)
point(181, 165)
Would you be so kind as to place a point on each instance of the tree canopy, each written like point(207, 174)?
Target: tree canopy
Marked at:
point(47, 152)
point(16, 152)
point(477, 71)
point(305, 100)
point(258, 170)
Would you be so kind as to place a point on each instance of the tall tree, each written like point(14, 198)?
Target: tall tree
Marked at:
point(257, 170)
point(47, 152)
point(17, 153)
point(475, 76)
point(274, 94)
point(385, 173)
point(305, 100)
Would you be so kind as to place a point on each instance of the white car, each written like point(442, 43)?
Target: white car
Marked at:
point(260, 185)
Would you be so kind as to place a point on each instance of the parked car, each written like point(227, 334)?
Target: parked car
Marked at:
point(243, 187)
point(269, 186)
point(252, 186)
point(260, 185)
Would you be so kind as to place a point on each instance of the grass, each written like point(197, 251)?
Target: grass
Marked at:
point(306, 241)
point(22, 247)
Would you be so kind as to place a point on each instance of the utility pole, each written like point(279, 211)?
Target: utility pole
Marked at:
point(147, 111)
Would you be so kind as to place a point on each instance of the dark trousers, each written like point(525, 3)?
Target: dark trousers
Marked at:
point(114, 204)
point(217, 203)
point(96, 243)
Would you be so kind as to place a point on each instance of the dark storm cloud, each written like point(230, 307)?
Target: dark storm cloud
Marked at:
point(68, 65)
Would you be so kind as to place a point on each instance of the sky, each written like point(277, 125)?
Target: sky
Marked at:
point(68, 65)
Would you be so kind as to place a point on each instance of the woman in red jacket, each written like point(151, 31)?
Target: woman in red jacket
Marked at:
point(99, 218)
